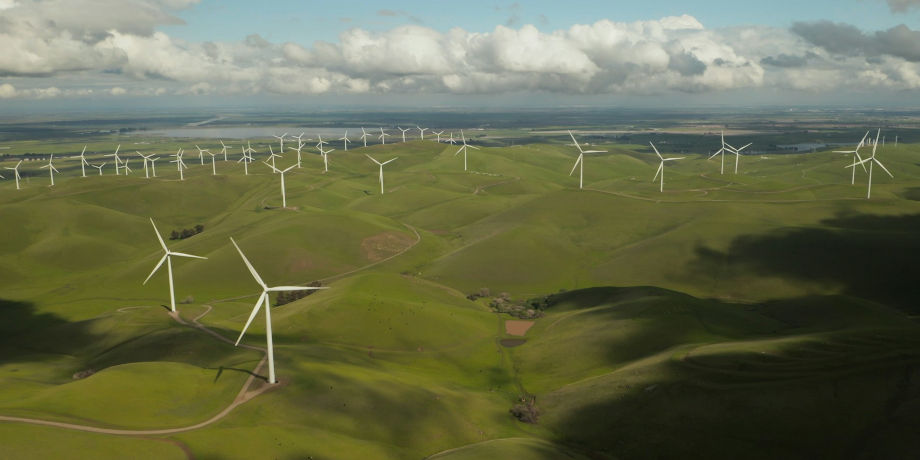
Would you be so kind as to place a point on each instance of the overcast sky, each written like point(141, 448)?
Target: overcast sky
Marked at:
point(163, 53)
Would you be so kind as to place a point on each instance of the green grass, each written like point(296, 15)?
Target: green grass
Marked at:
point(765, 314)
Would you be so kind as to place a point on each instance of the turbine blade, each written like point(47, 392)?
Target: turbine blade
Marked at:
point(576, 164)
point(372, 159)
point(162, 243)
point(182, 254)
point(660, 167)
point(160, 263)
point(293, 288)
point(879, 163)
point(249, 265)
point(252, 316)
point(656, 150)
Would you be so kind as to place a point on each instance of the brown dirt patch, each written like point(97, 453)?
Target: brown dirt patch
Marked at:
point(379, 247)
point(511, 343)
point(517, 327)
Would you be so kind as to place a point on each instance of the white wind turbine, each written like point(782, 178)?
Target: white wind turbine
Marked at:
point(153, 166)
point(364, 136)
point(245, 159)
point(579, 162)
point(15, 170)
point(451, 138)
point(856, 157)
point(381, 169)
point(281, 141)
point(201, 153)
point(463, 149)
point(99, 167)
point(438, 133)
point(168, 259)
point(117, 160)
point(83, 162)
point(421, 131)
point(383, 137)
point(272, 157)
point(146, 159)
point(213, 164)
point(51, 168)
point(325, 153)
point(737, 153)
point(872, 160)
point(661, 166)
point(404, 132)
point(127, 169)
point(179, 164)
point(345, 140)
point(280, 171)
point(299, 147)
point(223, 149)
point(263, 299)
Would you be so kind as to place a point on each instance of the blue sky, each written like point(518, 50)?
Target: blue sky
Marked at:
point(306, 22)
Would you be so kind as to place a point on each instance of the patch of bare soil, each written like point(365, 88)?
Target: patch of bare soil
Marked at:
point(379, 247)
point(517, 327)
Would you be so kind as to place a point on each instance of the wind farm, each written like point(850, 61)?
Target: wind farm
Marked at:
point(390, 303)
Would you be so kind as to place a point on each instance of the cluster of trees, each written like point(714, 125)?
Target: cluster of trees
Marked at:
point(290, 296)
point(503, 303)
point(186, 232)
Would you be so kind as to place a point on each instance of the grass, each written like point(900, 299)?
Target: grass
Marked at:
point(767, 312)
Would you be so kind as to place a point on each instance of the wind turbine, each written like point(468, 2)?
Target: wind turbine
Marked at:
point(201, 153)
point(51, 168)
point(15, 170)
point(213, 164)
point(383, 137)
point(737, 153)
point(345, 139)
point(856, 157)
point(451, 138)
point(661, 166)
point(324, 153)
point(127, 169)
point(421, 131)
point(404, 132)
point(463, 149)
point(438, 133)
point(168, 259)
point(272, 157)
point(245, 159)
point(83, 162)
point(146, 159)
point(99, 167)
point(279, 171)
point(179, 164)
point(223, 149)
point(263, 299)
point(299, 147)
point(281, 140)
point(153, 166)
point(364, 136)
point(381, 169)
point(117, 160)
point(579, 162)
point(872, 160)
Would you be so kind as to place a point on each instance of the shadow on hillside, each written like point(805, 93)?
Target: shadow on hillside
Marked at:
point(868, 256)
point(849, 391)
point(25, 333)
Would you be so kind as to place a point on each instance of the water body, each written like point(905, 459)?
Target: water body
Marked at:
point(258, 132)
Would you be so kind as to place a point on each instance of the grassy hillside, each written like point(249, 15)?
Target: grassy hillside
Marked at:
point(762, 314)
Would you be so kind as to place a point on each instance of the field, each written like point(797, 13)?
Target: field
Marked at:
point(766, 314)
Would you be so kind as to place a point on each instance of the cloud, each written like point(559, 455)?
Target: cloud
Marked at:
point(901, 6)
point(120, 54)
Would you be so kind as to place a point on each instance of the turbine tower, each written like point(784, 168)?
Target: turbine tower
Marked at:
point(223, 149)
point(345, 140)
point(299, 147)
point(281, 141)
point(15, 170)
point(263, 299)
point(421, 131)
point(364, 136)
point(179, 164)
point(51, 168)
point(463, 149)
point(661, 166)
point(438, 133)
point(153, 166)
point(404, 132)
point(213, 164)
point(167, 257)
point(201, 153)
point(279, 171)
point(579, 162)
point(117, 160)
point(146, 159)
point(325, 153)
point(381, 169)
point(245, 159)
point(272, 157)
point(383, 137)
point(83, 162)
